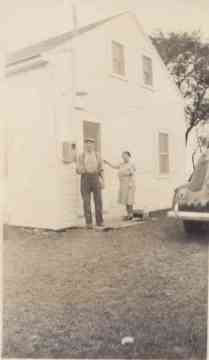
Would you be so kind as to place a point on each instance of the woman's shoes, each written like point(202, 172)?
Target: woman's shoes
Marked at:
point(130, 217)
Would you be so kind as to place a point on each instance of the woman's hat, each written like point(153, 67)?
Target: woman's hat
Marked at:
point(127, 152)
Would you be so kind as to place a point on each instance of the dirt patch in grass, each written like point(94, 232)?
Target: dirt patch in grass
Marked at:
point(77, 294)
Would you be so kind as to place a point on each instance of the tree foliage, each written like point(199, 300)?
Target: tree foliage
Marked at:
point(187, 59)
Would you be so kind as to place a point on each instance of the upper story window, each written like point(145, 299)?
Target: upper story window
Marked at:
point(147, 71)
point(164, 161)
point(118, 58)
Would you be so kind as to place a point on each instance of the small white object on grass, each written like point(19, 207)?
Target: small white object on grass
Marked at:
point(127, 340)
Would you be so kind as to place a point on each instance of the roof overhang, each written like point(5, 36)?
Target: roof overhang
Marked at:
point(36, 49)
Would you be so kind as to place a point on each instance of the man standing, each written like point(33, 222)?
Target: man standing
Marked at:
point(89, 166)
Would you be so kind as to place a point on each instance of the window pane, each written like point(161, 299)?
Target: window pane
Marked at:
point(147, 70)
point(163, 142)
point(118, 58)
point(164, 164)
point(115, 66)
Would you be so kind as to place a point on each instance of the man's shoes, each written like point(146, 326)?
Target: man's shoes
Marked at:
point(89, 227)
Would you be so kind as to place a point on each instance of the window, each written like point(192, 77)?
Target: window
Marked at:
point(164, 165)
point(118, 59)
point(147, 71)
point(92, 130)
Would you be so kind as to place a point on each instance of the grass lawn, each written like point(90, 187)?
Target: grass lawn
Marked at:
point(77, 294)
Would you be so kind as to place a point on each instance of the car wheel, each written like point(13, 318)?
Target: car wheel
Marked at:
point(192, 226)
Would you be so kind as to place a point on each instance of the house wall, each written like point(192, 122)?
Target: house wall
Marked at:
point(68, 129)
point(3, 172)
point(44, 191)
point(31, 159)
point(132, 114)
point(32, 150)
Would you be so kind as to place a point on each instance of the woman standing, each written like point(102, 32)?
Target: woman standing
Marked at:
point(126, 172)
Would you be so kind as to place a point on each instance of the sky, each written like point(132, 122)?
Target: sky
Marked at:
point(23, 22)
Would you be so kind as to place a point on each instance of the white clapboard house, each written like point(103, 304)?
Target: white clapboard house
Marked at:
point(3, 147)
point(104, 80)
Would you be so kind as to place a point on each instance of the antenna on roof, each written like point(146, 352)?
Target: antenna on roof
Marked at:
point(75, 19)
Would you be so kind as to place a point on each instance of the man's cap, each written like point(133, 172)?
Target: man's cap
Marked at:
point(89, 140)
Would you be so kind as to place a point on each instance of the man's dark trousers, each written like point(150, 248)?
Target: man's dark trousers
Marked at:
point(90, 184)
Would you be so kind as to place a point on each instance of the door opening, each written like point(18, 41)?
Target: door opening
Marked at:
point(93, 130)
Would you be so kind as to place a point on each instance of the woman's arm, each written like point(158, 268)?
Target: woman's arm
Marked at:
point(113, 166)
point(132, 169)
point(129, 170)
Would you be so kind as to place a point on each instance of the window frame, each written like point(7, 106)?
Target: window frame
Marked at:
point(148, 56)
point(168, 153)
point(113, 73)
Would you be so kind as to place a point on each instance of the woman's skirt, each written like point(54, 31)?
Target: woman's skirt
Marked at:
point(127, 190)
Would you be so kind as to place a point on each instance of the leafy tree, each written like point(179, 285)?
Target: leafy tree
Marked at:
point(187, 58)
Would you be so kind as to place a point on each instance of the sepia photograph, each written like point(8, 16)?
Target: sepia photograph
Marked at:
point(104, 179)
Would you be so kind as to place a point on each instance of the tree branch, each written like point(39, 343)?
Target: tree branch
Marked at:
point(187, 133)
